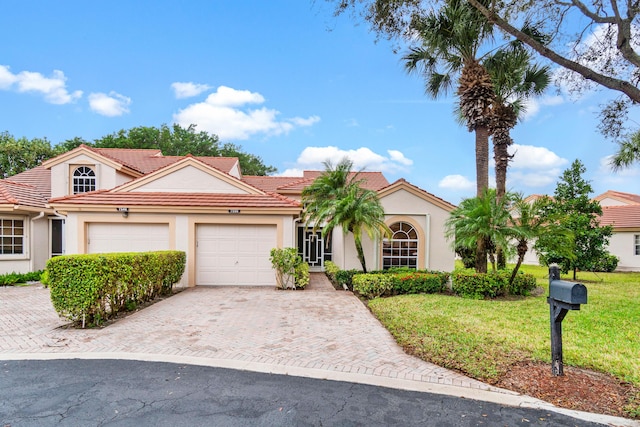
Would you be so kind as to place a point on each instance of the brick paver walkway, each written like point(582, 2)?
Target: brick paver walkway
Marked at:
point(317, 328)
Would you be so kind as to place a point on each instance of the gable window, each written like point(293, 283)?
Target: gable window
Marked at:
point(11, 236)
point(401, 250)
point(637, 244)
point(84, 180)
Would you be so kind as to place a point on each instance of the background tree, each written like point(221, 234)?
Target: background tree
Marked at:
point(336, 198)
point(18, 155)
point(176, 140)
point(574, 209)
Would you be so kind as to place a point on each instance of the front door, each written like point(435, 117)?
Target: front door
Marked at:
point(313, 248)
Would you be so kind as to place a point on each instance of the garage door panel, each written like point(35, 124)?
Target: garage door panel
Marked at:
point(106, 237)
point(235, 254)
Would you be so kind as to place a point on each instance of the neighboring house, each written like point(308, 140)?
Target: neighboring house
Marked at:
point(92, 200)
point(622, 212)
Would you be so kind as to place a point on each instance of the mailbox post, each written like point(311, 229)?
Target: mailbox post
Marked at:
point(563, 296)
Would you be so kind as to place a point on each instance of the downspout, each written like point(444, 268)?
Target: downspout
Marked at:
point(32, 241)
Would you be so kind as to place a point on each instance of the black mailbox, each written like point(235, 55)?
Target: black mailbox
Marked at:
point(568, 292)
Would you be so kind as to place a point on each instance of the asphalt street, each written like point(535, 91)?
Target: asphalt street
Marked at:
point(131, 393)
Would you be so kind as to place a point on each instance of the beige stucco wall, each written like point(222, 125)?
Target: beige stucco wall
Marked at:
point(611, 202)
point(36, 250)
point(427, 218)
point(189, 180)
point(621, 245)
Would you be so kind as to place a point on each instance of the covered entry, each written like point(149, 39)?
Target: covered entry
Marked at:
point(235, 254)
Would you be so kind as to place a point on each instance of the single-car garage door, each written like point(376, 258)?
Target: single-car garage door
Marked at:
point(235, 254)
point(106, 237)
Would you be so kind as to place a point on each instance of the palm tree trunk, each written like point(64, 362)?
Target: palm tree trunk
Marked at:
point(481, 257)
point(482, 159)
point(522, 251)
point(358, 241)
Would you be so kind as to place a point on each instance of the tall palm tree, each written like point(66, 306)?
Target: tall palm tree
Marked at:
point(515, 80)
point(451, 40)
point(481, 221)
point(337, 199)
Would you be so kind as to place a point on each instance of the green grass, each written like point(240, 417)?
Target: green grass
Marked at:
point(484, 337)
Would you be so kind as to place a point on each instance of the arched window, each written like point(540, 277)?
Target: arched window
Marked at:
point(84, 180)
point(401, 250)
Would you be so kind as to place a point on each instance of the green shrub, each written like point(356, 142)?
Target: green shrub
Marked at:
point(288, 265)
point(345, 277)
point(13, 278)
point(418, 282)
point(607, 264)
point(94, 288)
point(302, 275)
point(372, 285)
point(331, 269)
point(491, 285)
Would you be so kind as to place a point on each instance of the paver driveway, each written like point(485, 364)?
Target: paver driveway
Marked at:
point(315, 329)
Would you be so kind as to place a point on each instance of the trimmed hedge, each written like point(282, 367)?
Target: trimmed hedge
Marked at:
point(372, 285)
point(491, 285)
point(419, 282)
point(93, 288)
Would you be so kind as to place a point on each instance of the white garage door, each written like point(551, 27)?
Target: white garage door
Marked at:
point(104, 237)
point(235, 254)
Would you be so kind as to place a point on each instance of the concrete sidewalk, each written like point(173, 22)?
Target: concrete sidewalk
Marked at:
point(317, 333)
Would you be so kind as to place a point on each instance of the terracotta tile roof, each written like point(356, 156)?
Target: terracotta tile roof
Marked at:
point(39, 177)
point(178, 199)
point(624, 198)
point(372, 180)
point(149, 160)
point(16, 193)
point(624, 216)
point(269, 183)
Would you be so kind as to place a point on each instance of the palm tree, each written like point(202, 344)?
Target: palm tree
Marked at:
point(336, 199)
point(628, 152)
point(451, 39)
point(482, 221)
point(515, 79)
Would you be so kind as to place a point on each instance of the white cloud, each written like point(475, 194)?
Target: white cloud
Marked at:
point(362, 158)
point(532, 157)
point(222, 114)
point(397, 156)
point(456, 183)
point(110, 105)
point(533, 105)
point(7, 78)
point(54, 88)
point(188, 89)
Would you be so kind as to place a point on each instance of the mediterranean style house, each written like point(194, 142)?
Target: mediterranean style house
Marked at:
point(622, 212)
point(97, 200)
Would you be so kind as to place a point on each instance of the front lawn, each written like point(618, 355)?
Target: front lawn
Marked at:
point(484, 337)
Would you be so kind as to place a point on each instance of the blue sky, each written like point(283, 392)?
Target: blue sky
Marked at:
point(283, 78)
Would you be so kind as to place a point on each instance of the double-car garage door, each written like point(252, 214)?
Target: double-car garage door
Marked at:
point(230, 254)
point(225, 254)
